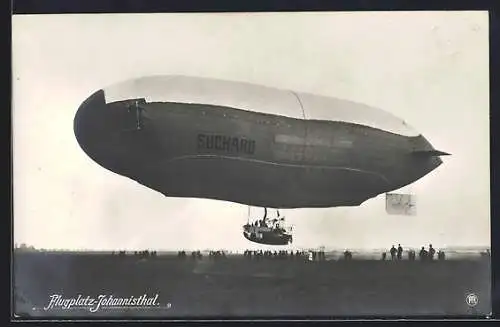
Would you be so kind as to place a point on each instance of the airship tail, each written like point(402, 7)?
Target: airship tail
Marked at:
point(431, 153)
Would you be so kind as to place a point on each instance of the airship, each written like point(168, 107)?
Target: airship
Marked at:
point(193, 137)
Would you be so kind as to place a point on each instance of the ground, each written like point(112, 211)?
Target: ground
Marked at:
point(241, 287)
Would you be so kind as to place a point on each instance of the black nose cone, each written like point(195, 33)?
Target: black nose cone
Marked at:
point(88, 124)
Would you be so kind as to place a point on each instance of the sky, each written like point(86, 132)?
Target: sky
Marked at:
point(428, 68)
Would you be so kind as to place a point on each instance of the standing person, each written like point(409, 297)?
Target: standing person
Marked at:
point(423, 254)
point(400, 252)
point(431, 252)
point(393, 252)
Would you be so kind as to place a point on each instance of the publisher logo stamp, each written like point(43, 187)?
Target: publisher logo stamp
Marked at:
point(472, 300)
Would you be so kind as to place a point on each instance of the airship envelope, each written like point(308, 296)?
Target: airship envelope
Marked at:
point(250, 144)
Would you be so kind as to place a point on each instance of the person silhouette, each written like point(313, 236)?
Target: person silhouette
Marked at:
point(393, 252)
point(423, 254)
point(431, 252)
point(400, 252)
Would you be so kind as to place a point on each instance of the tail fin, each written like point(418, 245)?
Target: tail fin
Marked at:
point(431, 153)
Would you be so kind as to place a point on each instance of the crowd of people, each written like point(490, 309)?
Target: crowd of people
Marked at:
point(395, 253)
point(141, 254)
point(194, 255)
point(424, 254)
point(283, 254)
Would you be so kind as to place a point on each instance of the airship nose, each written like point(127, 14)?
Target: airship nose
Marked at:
point(97, 133)
point(107, 133)
point(88, 124)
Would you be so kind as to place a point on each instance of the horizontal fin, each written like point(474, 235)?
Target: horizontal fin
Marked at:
point(431, 153)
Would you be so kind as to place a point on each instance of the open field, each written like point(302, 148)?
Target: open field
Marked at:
point(242, 287)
